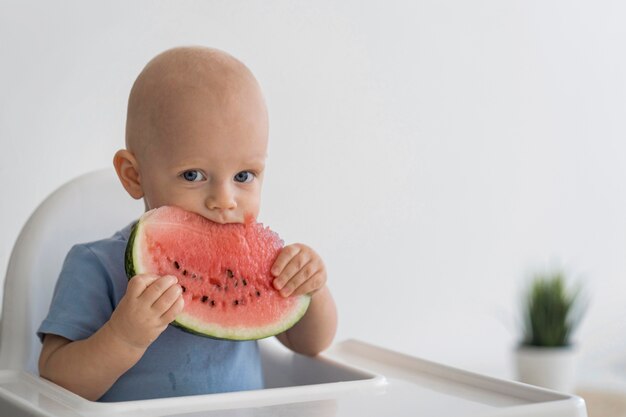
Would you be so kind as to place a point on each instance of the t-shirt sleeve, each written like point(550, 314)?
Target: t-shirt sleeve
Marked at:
point(82, 298)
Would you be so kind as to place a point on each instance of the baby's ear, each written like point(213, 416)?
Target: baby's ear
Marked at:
point(128, 172)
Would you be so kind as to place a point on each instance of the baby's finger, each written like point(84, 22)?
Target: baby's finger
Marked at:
point(165, 301)
point(138, 284)
point(293, 267)
point(299, 278)
point(157, 288)
point(174, 310)
point(285, 255)
point(312, 285)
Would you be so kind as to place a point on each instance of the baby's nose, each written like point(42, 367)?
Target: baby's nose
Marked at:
point(221, 197)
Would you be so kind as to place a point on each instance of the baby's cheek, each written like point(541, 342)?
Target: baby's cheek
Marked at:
point(251, 207)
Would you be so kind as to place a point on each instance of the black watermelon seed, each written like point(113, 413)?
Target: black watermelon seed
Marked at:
point(236, 302)
point(258, 293)
point(204, 298)
point(176, 265)
point(245, 282)
point(184, 272)
point(183, 287)
point(230, 273)
point(212, 303)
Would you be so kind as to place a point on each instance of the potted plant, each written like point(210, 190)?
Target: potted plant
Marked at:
point(551, 312)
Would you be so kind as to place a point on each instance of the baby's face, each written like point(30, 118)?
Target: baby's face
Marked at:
point(206, 158)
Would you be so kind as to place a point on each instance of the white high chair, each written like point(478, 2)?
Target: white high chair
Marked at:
point(350, 379)
point(90, 207)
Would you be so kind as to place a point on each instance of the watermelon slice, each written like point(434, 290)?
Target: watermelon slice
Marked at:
point(223, 270)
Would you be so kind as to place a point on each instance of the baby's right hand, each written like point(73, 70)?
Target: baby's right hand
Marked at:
point(151, 302)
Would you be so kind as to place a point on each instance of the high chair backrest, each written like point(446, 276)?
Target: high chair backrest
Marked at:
point(90, 207)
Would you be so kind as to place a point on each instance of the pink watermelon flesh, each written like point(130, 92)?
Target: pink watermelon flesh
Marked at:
point(223, 270)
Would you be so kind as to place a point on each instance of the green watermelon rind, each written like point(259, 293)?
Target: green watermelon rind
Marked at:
point(185, 322)
point(219, 332)
point(129, 264)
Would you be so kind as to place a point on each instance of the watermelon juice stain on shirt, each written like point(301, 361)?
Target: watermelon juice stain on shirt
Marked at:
point(92, 283)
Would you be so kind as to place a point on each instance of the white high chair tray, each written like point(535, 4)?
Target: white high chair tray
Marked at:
point(374, 382)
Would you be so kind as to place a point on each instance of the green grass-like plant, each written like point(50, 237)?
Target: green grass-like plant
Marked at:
point(551, 311)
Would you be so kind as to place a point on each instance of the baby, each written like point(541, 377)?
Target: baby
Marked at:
point(196, 138)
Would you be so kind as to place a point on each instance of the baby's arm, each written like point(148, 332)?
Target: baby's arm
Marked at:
point(300, 270)
point(91, 366)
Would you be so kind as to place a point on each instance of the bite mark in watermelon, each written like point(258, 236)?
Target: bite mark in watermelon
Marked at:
point(223, 270)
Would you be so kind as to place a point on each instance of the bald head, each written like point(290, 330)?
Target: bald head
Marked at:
point(206, 85)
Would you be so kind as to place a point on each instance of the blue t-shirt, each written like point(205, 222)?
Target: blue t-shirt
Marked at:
point(91, 284)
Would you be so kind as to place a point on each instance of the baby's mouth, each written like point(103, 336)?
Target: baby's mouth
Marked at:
point(223, 219)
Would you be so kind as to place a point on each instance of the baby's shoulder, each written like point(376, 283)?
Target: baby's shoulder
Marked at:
point(108, 252)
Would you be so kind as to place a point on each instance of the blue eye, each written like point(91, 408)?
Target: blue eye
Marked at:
point(244, 176)
point(193, 175)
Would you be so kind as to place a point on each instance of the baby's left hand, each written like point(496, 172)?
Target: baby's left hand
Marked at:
point(298, 270)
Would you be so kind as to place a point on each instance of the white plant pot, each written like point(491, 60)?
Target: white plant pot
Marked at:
point(549, 367)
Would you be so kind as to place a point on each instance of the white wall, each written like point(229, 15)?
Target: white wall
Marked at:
point(433, 152)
